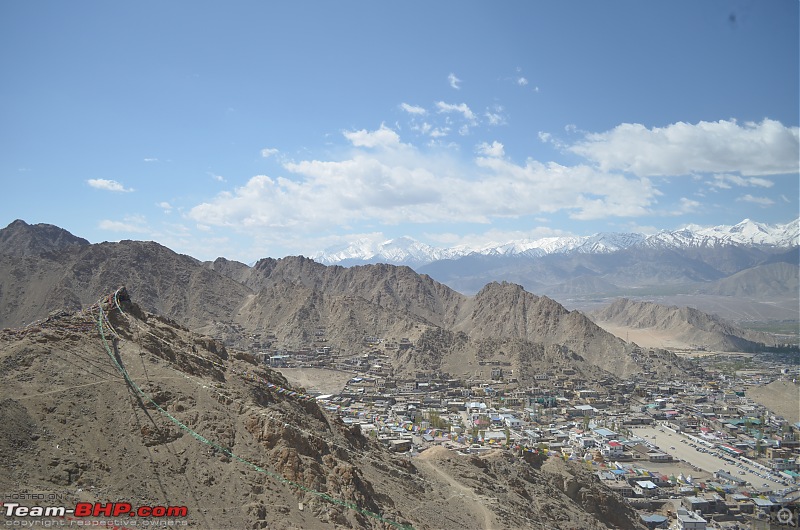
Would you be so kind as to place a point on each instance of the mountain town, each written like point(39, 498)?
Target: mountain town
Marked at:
point(451, 265)
point(322, 396)
point(731, 451)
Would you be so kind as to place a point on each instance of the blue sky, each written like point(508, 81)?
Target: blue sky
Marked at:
point(253, 129)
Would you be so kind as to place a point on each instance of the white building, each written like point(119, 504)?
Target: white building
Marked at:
point(585, 410)
point(687, 520)
point(612, 449)
point(645, 488)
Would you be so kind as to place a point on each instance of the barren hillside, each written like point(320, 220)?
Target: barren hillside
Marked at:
point(678, 326)
point(781, 396)
point(764, 282)
point(291, 299)
point(113, 403)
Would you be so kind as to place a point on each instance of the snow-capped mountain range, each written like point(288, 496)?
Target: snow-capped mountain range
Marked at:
point(408, 251)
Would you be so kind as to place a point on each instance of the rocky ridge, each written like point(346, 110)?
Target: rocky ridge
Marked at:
point(688, 325)
point(180, 425)
point(293, 298)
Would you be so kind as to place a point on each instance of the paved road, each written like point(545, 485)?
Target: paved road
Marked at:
point(670, 442)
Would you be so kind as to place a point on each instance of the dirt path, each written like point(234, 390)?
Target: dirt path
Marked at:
point(472, 501)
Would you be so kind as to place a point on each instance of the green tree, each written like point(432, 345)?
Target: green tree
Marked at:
point(759, 446)
point(436, 421)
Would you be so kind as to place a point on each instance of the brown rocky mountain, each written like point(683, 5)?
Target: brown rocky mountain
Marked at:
point(74, 276)
point(507, 311)
point(686, 324)
point(115, 404)
point(37, 239)
point(763, 282)
point(293, 298)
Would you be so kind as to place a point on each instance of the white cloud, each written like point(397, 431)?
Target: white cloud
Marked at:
point(761, 201)
point(383, 137)
point(132, 224)
point(218, 178)
point(380, 180)
point(461, 108)
point(726, 181)
point(164, 205)
point(151, 159)
point(547, 138)
point(686, 206)
point(720, 183)
point(580, 190)
point(494, 119)
point(764, 148)
point(268, 152)
point(412, 109)
point(351, 190)
point(495, 149)
point(454, 81)
point(522, 81)
point(108, 185)
point(399, 183)
point(495, 115)
point(430, 130)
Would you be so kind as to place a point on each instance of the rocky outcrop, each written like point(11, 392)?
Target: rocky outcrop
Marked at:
point(585, 489)
point(687, 324)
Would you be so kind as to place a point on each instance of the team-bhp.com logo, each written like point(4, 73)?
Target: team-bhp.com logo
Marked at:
point(96, 509)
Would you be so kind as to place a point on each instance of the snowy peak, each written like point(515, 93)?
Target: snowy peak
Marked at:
point(403, 250)
point(752, 233)
point(408, 251)
point(745, 233)
point(361, 249)
point(596, 244)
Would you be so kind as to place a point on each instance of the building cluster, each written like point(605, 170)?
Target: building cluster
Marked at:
point(599, 423)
